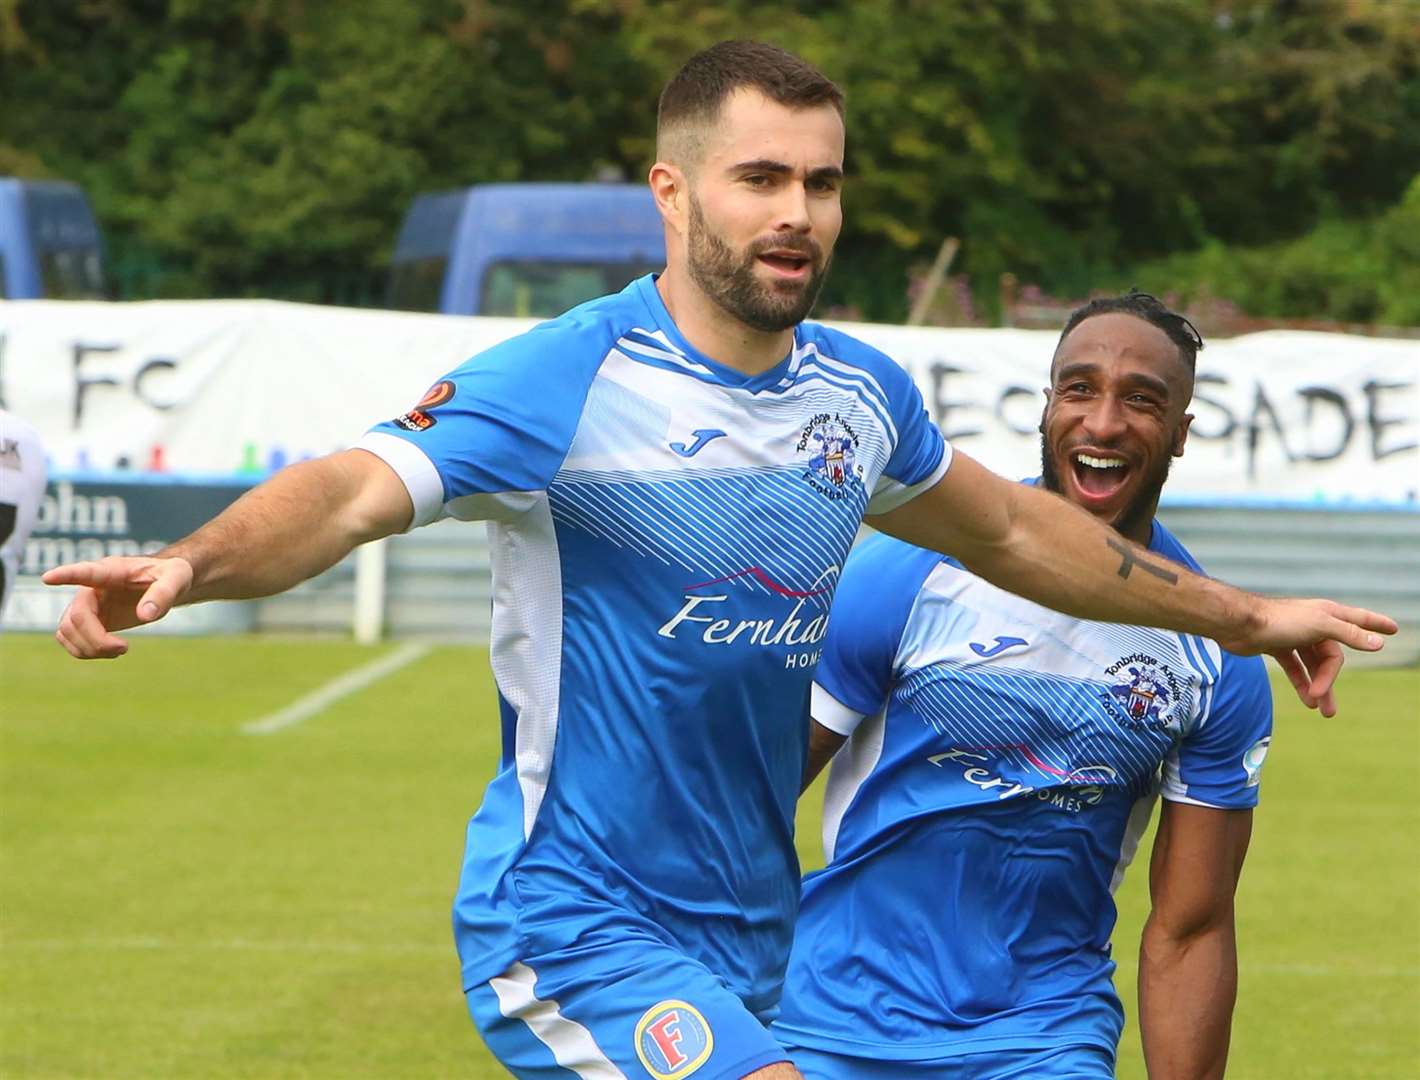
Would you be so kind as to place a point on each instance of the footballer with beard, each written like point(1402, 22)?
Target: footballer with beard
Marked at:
point(1002, 761)
point(673, 477)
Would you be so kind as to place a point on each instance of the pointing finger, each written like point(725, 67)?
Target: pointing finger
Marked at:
point(93, 574)
point(1352, 634)
point(1370, 620)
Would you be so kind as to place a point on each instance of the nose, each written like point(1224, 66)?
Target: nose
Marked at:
point(1105, 421)
point(792, 209)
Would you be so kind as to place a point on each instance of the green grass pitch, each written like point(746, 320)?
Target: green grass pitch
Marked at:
point(179, 899)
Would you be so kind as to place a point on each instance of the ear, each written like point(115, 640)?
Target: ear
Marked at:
point(668, 186)
point(1045, 410)
point(1180, 434)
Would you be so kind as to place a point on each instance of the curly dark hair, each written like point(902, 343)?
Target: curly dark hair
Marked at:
point(1152, 310)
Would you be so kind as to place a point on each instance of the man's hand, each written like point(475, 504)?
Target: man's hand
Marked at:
point(302, 521)
point(115, 594)
point(1305, 638)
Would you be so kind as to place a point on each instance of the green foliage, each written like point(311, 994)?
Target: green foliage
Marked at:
point(1364, 271)
point(234, 147)
point(266, 145)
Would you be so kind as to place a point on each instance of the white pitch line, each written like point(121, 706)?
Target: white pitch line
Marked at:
point(339, 687)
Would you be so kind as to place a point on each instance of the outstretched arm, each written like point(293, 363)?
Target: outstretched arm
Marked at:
point(1037, 544)
point(1188, 971)
point(303, 520)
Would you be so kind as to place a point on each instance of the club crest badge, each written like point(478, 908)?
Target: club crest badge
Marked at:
point(673, 1039)
point(1144, 694)
point(828, 446)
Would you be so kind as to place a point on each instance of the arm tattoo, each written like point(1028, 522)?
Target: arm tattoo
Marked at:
point(1131, 561)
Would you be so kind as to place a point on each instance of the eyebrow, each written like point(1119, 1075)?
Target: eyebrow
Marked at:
point(779, 168)
point(1079, 368)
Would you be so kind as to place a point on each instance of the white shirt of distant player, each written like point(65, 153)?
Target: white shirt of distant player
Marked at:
point(22, 482)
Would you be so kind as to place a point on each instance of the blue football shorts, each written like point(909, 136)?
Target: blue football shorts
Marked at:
point(632, 1009)
point(1060, 1063)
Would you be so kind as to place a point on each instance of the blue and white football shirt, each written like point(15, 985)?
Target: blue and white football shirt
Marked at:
point(666, 534)
point(1004, 760)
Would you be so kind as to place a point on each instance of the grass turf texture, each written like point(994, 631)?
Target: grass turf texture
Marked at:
point(182, 900)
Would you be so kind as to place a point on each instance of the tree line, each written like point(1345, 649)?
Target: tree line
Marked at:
point(1259, 151)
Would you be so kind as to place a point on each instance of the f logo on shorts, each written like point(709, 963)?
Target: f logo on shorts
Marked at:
point(673, 1040)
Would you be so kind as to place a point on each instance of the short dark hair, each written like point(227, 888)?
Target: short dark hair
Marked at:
point(698, 90)
point(1152, 310)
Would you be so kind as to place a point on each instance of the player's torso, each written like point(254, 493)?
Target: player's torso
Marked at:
point(705, 526)
point(992, 808)
point(700, 532)
point(998, 699)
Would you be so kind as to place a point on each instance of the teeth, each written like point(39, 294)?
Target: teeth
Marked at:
point(1100, 463)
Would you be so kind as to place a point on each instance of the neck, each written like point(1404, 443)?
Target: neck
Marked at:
point(717, 333)
point(1141, 528)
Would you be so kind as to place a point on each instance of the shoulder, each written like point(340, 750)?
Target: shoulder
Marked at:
point(1237, 673)
point(871, 611)
point(835, 345)
point(1168, 545)
point(18, 429)
point(22, 451)
point(1243, 677)
point(575, 342)
point(884, 570)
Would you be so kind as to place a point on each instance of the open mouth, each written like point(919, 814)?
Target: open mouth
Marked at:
point(787, 263)
point(1099, 477)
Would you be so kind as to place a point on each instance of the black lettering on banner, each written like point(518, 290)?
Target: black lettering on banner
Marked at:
point(1314, 395)
point(1226, 423)
point(158, 363)
point(81, 383)
point(1263, 407)
point(941, 407)
point(1131, 560)
point(1007, 395)
point(1378, 423)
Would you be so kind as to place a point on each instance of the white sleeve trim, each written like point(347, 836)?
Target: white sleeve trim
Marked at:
point(413, 466)
point(832, 713)
point(1188, 800)
point(891, 494)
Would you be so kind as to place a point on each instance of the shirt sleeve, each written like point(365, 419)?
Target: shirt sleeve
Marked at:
point(870, 610)
point(1219, 762)
point(921, 456)
point(495, 429)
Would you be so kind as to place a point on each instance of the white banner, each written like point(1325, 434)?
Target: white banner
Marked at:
point(218, 387)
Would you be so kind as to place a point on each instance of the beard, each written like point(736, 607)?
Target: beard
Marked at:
point(1137, 512)
point(729, 278)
